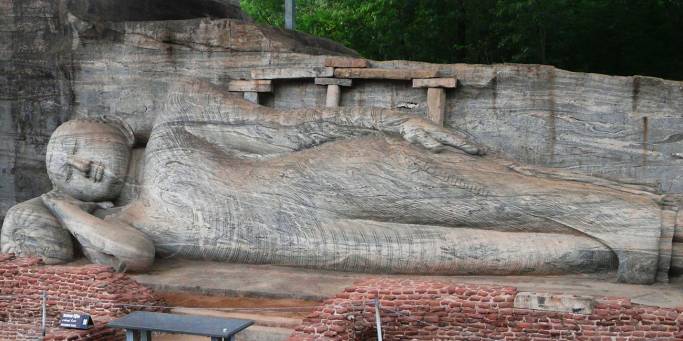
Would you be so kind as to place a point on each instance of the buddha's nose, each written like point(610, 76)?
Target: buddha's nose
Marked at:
point(91, 169)
point(80, 164)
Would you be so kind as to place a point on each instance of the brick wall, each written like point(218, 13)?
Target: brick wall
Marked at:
point(419, 310)
point(91, 289)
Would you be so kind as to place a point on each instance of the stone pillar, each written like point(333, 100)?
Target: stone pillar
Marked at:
point(436, 103)
point(436, 96)
point(251, 96)
point(333, 96)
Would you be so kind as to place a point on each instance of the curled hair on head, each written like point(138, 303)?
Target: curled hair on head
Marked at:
point(121, 125)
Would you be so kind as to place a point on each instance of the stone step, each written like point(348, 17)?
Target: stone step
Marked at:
point(259, 319)
point(261, 333)
point(253, 333)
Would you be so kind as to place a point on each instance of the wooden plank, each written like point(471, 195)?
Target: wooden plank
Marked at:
point(292, 73)
point(254, 85)
point(398, 74)
point(333, 81)
point(435, 82)
point(346, 62)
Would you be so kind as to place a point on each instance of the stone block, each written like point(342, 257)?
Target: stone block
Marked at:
point(435, 82)
point(292, 73)
point(559, 303)
point(333, 81)
point(397, 74)
point(436, 103)
point(251, 96)
point(255, 85)
point(346, 62)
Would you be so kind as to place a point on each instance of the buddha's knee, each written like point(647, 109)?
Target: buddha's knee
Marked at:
point(30, 229)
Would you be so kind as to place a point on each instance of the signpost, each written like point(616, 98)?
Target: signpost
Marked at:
point(75, 321)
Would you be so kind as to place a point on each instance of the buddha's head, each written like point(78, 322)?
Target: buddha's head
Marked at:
point(88, 158)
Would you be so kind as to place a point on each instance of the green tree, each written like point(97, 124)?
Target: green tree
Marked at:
point(623, 37)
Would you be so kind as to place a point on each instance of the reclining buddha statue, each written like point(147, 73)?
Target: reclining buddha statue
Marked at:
point(348, 189)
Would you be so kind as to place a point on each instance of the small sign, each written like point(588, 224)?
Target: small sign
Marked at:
point(76, 321)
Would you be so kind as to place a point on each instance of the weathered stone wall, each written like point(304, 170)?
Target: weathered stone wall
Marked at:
point(423, 310)
point(90, 289)
point(35, 93)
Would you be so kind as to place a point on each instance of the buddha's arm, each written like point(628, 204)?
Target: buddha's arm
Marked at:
point(115, 241)
point(208, 114)
point(330, 121)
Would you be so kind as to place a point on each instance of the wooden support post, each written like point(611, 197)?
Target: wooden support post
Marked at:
point(333, 96)
point(436, 103)
point(251, 96)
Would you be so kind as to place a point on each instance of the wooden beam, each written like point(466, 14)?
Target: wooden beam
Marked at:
point(435, 82)
point(398, 74)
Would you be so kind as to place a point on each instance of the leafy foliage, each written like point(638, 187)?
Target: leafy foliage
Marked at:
point(623, 37)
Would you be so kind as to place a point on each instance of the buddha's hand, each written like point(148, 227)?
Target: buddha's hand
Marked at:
point(434, 137)
point(55, 198)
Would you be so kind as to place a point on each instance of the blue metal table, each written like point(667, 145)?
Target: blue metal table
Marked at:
point(139, 325)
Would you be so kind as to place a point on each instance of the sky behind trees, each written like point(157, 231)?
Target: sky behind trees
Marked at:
point(618, 37)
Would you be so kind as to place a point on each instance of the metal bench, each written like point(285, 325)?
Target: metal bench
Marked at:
point(139, 325)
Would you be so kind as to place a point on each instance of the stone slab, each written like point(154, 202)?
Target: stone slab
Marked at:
point(255, 85)
point(346, 62)
point(269, 281)
point(559, 303)
point(435, 82)
point(292, 73)
point(333, 81)
point(397, 74)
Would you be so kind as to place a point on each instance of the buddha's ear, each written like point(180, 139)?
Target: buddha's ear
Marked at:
point(124, 127)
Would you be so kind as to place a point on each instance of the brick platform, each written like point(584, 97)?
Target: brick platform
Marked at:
point(91, 289)
point(423, 310)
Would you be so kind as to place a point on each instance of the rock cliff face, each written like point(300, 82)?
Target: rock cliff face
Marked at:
point(35, 93)
point(63, 59)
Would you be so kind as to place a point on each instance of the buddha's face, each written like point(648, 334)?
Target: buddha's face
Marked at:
point(88, 159)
